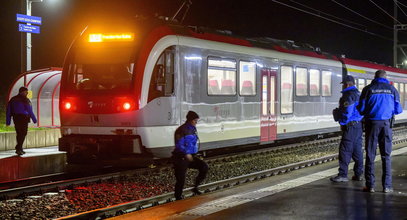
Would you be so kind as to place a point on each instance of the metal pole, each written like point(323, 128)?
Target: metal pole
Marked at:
point(28, 67)
point(395, 36)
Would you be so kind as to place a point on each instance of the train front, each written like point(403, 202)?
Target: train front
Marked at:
point(98, 103)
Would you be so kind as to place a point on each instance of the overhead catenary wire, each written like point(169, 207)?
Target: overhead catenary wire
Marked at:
point(384, 11)
point(334, 21)
point(401, 9)
point(355, 12)
point(401, 4)
point(321, 12)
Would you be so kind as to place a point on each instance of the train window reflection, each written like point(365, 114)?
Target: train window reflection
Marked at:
point(301, 80)
point(314, 82)
point(286, 89)
point(221, 76)
point(247, 78)
point(326, 83)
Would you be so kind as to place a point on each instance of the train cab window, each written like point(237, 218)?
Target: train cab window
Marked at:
point(301, 81)
point(221, 76)
point(314, 82)
point(286, 89)
point(162, 78)
point(247, 78)
point(326, 83)
point(361, 84)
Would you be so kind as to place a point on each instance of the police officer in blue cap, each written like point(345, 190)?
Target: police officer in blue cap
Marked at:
point(350, 121)
point(19, 107)
point(379, 103)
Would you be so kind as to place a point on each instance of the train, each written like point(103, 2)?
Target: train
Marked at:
point(127, 86)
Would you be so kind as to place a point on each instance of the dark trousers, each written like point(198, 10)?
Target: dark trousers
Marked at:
point(21, 126)
point(378, 132)
point(181, 164)
point(351, 147)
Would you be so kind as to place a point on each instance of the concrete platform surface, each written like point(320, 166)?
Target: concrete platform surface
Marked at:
point(36, 162)
point(302, 194)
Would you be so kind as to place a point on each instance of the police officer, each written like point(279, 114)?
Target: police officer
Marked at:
point(379, 103)
point(19, 107)
point(186, 146)
point(350, 121)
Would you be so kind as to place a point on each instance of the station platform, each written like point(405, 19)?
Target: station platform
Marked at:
point(35, 162)
point(301, 194)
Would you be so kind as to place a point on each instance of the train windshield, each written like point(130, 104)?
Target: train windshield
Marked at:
point(102, 68)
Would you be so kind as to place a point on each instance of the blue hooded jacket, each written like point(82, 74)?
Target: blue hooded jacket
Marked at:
point(379, 100)
point(347, 106)
point(186, 139)
point(19, 105)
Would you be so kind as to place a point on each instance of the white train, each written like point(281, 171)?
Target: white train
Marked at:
point(126, 88)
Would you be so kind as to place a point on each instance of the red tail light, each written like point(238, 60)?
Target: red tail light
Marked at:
point(126, 106)
point(67, 105)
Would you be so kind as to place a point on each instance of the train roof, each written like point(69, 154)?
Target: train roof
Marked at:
point(371, 65)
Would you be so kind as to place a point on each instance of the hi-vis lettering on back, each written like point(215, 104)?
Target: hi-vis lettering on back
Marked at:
point(381, 91)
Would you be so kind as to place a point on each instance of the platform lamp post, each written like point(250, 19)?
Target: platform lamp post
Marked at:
point(28, 42)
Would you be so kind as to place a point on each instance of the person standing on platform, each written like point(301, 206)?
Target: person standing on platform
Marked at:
point(379, 102)
point(186, 147)
point(19, 108)
point(350, 121)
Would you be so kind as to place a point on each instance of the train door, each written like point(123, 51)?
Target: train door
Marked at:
point(268, 117)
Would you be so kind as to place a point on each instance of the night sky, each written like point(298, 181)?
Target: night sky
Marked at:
point(64, 19)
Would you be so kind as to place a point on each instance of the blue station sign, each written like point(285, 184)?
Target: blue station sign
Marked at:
point(29, 28)
point(29, 19)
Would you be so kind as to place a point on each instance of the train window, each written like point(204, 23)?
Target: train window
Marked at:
point(326, 83)
point(368, 81)
point(221, 76)
point(301, 81)
point(402, 94)
point(162, 78)
point(286, 89)
point(361, 84)
point(264, 93)
point(396, 85)
point(247, 78)
point(314, 82)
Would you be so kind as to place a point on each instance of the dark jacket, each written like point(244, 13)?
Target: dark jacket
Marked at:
point(379, 100)
point(347, 111)
point(186, 139)
point(19, 105)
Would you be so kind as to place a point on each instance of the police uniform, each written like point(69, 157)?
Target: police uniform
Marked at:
point(351, 143)
point(186, 142)
point(19, 108)
point(379, 102)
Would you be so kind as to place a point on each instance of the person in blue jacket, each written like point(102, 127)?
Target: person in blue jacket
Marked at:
point(350, 121)
point(186, 147)
point(379, 102)
point(19, 108)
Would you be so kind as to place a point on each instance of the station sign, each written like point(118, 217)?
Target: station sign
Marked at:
point(29, 28)
point(29, 19)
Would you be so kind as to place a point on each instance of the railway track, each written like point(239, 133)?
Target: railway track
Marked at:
point(330, 143)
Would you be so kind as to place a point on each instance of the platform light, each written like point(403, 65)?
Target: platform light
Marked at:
point(99, 37)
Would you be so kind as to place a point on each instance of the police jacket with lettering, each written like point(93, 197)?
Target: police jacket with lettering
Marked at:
point(186, 139)
point(347, 111)
point(379, 100)
point(19, 105)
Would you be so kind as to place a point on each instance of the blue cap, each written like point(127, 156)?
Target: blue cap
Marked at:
point(348, 78)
